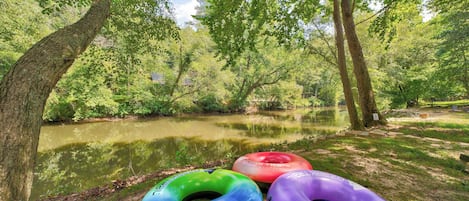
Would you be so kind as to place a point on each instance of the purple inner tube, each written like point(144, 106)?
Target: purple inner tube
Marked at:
point(314, 185)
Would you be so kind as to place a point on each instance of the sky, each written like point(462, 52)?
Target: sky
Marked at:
point(183, 9)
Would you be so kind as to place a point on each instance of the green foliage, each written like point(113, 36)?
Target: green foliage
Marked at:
point(231, 17)
point(392, 13)
point(403, 68)
point(289, 20)
point(58, 108)
point(84, 90)
point(20, 30)
point(329, 95)
point(255, 70)
point(7, 59)
point(51, 6)
point(237, 26)
point(453, 70)
point(444, 79)
point(211, 103)
point(320, 81)
point(138, 21)
point(282, 95)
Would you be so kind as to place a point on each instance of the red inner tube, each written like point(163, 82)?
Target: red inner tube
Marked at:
point(267, 166)
point(277, 158)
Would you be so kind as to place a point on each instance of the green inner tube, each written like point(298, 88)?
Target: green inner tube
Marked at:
point(214, 184)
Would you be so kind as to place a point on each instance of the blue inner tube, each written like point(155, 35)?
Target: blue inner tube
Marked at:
point(314, 185)
point(215, 184)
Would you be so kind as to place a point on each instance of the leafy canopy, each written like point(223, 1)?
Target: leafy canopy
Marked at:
point(237, 26)
point(142, 19)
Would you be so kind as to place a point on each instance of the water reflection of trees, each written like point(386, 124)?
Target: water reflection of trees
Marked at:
point(263, 130)
point(329, 116)
point(81, 166)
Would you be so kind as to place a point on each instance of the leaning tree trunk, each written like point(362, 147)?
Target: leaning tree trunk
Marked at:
point(355, 122)
point(365, 90)
point(24, 91)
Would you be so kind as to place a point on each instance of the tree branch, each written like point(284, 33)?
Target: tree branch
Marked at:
point(323, 38)
point(375, 14)
point(322, 54)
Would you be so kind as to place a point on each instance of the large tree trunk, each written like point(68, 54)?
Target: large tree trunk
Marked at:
point(365, 90)
point(24, 91)
point(355, 122)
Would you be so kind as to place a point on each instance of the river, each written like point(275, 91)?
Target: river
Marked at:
point(75, 157)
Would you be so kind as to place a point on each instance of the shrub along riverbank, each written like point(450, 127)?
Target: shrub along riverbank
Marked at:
point(412, 158)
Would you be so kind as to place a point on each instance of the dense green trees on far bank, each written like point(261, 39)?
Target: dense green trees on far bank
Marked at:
point(117, 76)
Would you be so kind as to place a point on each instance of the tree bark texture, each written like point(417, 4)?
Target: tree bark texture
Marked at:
point(355, 122)
point(365, 90)
point(24, 91)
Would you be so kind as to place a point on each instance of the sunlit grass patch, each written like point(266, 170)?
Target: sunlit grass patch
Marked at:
point(446, 103)
point(450, 127)
point(458, 126)
point(454, 136)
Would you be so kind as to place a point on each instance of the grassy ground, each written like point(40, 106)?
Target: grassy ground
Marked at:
point(416, 158)
point(398, 168)
point(446, 104)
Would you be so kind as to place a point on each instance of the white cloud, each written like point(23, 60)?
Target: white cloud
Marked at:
point(184, 9)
